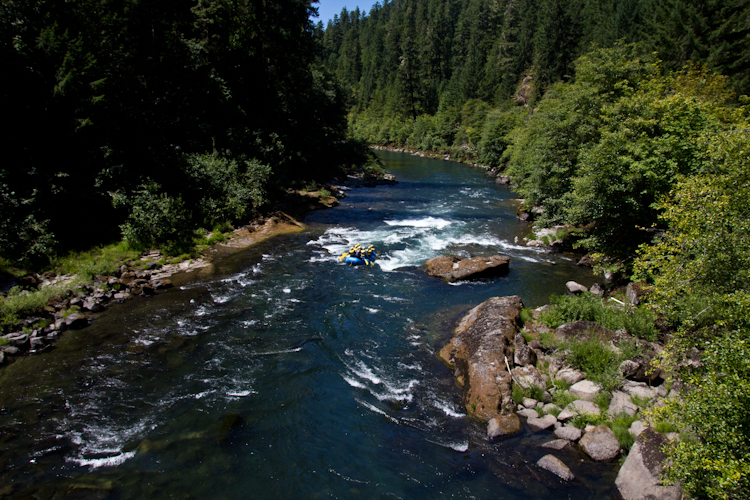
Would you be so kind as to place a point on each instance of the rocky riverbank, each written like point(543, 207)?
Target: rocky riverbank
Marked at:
point(515, 374)
point(76, 306)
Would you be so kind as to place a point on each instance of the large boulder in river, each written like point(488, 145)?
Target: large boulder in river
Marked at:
point(455, 268)
point(479, 352)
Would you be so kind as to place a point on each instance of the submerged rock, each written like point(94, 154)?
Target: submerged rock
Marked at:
point(455, 268)
point(503, 425)
point(555, 466)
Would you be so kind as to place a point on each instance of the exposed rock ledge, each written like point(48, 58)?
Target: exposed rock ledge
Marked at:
point(454, 268)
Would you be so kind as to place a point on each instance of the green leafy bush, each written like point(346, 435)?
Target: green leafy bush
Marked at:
point(711, 461)
point(226, 189)
point(154, 218)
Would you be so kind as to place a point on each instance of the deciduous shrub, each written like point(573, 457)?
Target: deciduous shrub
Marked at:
point(154, 217)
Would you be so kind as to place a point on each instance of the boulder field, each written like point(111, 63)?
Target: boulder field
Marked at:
point(489, 357)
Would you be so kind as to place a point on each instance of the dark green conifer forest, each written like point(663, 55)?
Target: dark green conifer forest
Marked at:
point(152, 118)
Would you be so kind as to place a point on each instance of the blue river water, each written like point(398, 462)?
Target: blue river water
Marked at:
point(287, 374)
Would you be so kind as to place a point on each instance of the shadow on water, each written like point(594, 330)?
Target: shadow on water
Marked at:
point(285, 374)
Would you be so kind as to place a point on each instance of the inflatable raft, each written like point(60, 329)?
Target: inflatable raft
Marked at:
point(355, 261)
point(360, 256)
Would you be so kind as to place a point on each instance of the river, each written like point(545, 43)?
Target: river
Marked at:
point(286, 374)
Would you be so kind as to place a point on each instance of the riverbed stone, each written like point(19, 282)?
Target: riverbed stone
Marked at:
point(162, 283)
point(20, 340)
point(575, 288)
point(36, 343)
point(600, 443)
point(621, 403)
point(10, 350)
point(585, 389)
point(555, 466)
point(637, 427)
point(478, 354)
point(556, 444)
point(568, 432)
point(93, 305)
point(541, 423)
point(76, 320)
point(528, 377)
point(528, 413)
point(629, 367)
point(638, 389)
point(523, 354)
point(551, 408)
point(639, 475)
point(529, 403)
point(578, 407)
point(453, 268)
point(503, 425)
point(570, 376)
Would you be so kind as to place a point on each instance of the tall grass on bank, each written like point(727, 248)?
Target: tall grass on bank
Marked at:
point(99, 261)
point(20, 303)
point(639, 322)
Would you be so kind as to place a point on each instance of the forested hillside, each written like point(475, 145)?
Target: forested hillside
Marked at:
point(154, 118)
point(413, 57)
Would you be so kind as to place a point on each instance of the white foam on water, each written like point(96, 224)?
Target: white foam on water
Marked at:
point(377, 410)
point(423, 222)
point(447, 409)
point(221, 299)
point(390, 299)
point(473, 192)
point(282, 351)
point(396, 393)
point(415, 366)
point(96, 463)
point(364, 372)
point(354, 383)
point(240, 394)
point(460, 447)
